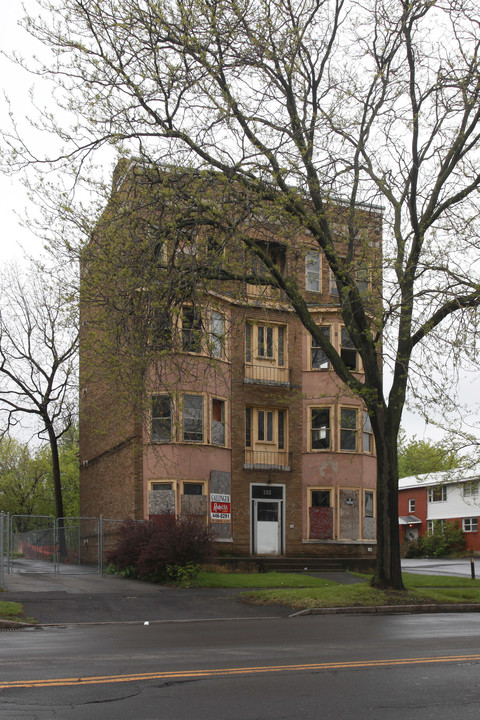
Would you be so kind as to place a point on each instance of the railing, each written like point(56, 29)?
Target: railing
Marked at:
point(267, 460)
point(267, 375)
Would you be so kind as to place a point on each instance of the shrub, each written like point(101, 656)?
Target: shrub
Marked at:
point(447, 539)
point(157, 549)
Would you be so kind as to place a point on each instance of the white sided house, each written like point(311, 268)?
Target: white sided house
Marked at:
point(452, 495)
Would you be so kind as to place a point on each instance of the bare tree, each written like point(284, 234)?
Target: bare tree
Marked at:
point(38, 361)
point(301, 105)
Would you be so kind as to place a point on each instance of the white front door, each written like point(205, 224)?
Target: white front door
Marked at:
point(267, 527)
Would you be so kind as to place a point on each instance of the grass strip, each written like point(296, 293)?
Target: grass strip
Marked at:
point(11, 611)
point(208, 579)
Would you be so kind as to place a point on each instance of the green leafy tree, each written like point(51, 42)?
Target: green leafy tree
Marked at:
point(298, 106)
point(417, 457)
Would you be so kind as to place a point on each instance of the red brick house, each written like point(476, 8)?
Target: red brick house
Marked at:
point(450, 496)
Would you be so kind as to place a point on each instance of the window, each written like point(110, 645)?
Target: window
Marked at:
point(320, 429)
point(193, 418)
point(367, 436)
point(368, 503)
point(161, 486)
point(320, 514)
point(435, 526)
point(274, 251)
point(190, 488)
point(265, 343)
point(265, 426)
point(470, 488)
point(319, 359)
point(411, 505)
point(437, 494)
point(161, 423)
point(470, 524)
point(217, 325)
point(218, 421)
point(348, 351)
point(191, 330)
point(248, 427)
point(348, 429)
point(320, 498)
point(312, 271)
point(363, 278)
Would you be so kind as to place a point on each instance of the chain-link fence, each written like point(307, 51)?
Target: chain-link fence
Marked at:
point(43, 544)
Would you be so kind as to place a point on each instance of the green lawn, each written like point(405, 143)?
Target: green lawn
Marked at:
point(11, 611)
point(301, 591)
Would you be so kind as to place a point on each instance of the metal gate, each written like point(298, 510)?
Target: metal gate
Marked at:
point(43, 544)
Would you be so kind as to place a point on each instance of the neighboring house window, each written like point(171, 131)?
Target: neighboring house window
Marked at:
point(411, 505)
point(191, 330)
point(312, 271)
point(348, 429)
point(470, 524)
point(470, 488)
point(437, 494)
point(192, 418)
point(348, 351)
point(161, 423)
point(368, 499)
point(319, 359)
point(367, 436)
point(217, 330)
point(433, 525)
point(320, 429)
point(218, 421)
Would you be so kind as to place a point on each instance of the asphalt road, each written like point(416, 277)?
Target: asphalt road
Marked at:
point(335, 667)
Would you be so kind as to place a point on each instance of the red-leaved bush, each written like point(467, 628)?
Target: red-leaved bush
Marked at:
point(148, 547)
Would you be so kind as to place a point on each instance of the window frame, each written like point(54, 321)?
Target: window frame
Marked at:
point(194, 332)
point(348, 348)
point(265, 343)
point(314, 349)
point(275, 433)
point(223, 401)
point(367, 433)
point(332, 506)
point(365, 493)
point(345, 428)
point(186, 418)
point(470, 488)
point(432, 492)
point(472, 522)
point(411, 505)
point(328, 428)
point(161, 418)
point(313, 271)
point(217, 341)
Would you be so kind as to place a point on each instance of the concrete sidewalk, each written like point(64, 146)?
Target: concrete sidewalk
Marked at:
point(76, 595)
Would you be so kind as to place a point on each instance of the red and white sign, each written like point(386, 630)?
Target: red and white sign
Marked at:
point(220, 507)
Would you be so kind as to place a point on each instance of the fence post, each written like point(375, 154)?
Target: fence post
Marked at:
point(100, 543)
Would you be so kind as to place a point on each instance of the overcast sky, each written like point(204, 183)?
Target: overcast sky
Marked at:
point(13, 198)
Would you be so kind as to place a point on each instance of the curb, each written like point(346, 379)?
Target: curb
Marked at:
point(391, 610)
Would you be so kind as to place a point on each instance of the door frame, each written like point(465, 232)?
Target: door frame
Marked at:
point(267, 492)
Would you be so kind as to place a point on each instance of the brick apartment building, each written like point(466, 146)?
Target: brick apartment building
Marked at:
point(240, 420)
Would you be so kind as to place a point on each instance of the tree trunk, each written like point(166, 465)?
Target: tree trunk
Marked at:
point(57, 486)
point(388, 572)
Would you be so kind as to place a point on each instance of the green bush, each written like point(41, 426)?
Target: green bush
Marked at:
point(447, 539)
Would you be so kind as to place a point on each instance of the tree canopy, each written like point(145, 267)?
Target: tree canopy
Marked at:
point(301, 104)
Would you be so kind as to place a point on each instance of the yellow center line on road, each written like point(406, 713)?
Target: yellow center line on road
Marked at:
point(225, 672)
